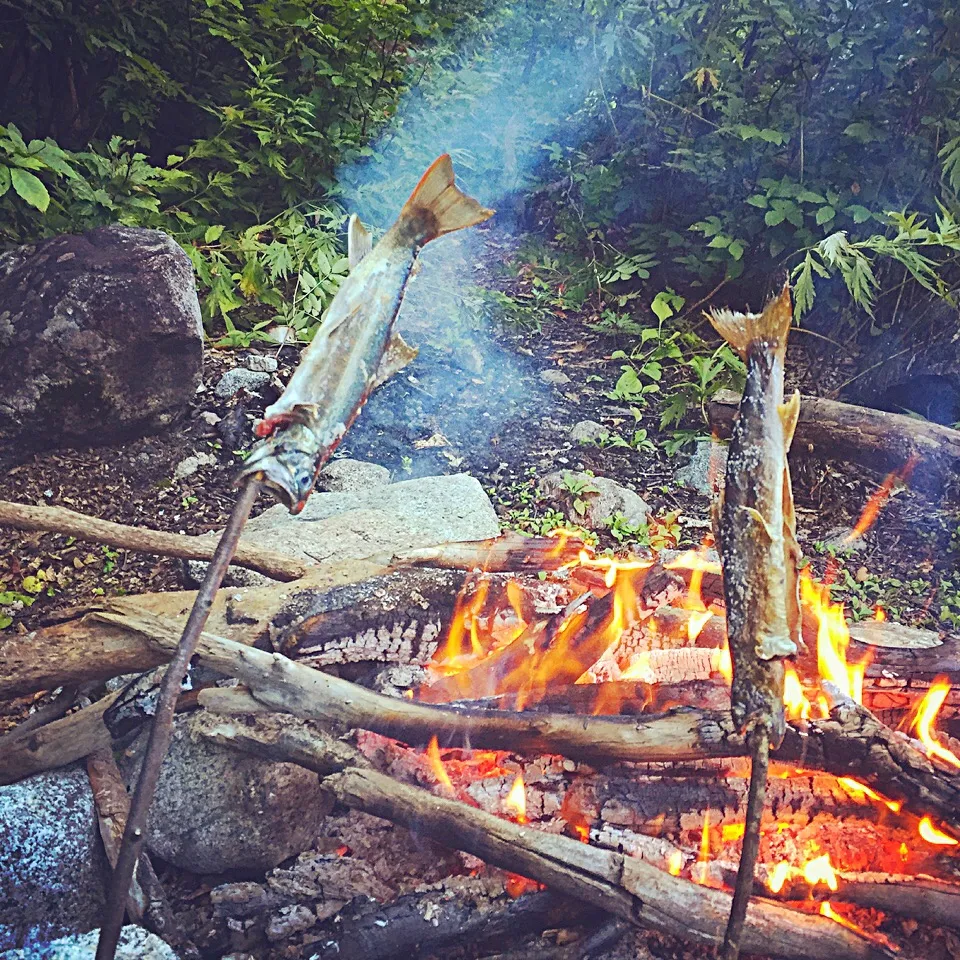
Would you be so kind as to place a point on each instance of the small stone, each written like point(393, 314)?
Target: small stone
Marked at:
point(289, 921)
point(599, 498)
point(190, 465)
point(352, 476)
point(704, 471)
point(210, 418)
point(240, 379)
point(556, 377)
point(587, 431)
point(261, 363)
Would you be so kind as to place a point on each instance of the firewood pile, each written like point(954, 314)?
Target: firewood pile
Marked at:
point(561, 717)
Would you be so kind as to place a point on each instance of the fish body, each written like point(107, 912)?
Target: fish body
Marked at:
point(757, 524)
point(355, 348)
point(760, 558)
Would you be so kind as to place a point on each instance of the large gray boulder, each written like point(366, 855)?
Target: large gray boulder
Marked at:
point(52, 865)
point(217, 810)
point(100, 336)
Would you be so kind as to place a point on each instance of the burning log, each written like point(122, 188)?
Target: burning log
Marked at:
point(920, 898)
point(881, 441)
point(622, 886)
point(509, 553)
point(20, 516)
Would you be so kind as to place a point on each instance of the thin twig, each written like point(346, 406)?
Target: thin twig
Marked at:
point(161, 730)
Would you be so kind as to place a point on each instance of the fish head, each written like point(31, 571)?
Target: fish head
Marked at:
point(286, 464)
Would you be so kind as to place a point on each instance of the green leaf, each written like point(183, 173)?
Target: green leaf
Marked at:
point(213, 233)
point(736, 249)
point(825, 215)
point(773, 218)
point(758, 200)
point(858, 213)
point(4, 179)
point(30, 189)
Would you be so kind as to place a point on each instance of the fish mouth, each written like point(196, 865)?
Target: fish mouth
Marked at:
point(286, 464)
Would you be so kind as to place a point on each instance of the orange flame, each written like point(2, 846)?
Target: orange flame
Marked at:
point(696, 623)
point(515, 802)
point(703, 859)
point(693, 560)
point(821, 870)
point(932, 835)
point(857, 789)
point(730, 832)
point(878, 498)
point(833, 640)
point(436, 765)
point(879, 614)
point(777, 877)
point(827, 911)
point(675, 863)
point(722, 662)
point(927, 713)
point(796, 702)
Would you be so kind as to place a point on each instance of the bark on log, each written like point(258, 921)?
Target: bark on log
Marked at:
point(81, 649)
point(509, 553)
point(21, 516)
point(881, 441)
point(622, 886)
point(56, 744)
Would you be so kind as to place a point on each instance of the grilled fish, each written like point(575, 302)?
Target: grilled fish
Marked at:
point(760, 557)
point(355, 348)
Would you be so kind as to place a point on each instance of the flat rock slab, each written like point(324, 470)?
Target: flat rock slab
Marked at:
point(52, 865)
point(100, 336)
point(135, 944)
point(371, 522)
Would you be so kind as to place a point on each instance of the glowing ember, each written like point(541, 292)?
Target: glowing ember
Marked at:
point(926, 718)
point(436, 765)
point(517, 886)
point(515, 802)
point(932, 835)
point(777, 877)
point(730, 832)
point(675, 863)
point(857, 789)
point(820, 870)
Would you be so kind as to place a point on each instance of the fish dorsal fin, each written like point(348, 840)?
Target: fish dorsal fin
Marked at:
point(359, 243)
point(397, 355)
point(789, 415)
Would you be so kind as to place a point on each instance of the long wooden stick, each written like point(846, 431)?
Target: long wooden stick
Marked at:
point(626, 887)
point(20, 516)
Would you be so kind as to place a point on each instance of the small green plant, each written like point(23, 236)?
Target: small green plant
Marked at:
point(578, 487)
point(625, 532)
point(110, 558)
point(13, 602)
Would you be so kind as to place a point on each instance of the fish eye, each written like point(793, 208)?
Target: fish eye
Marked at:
point(304, 480)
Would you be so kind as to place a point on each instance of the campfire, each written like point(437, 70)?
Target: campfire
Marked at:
point(566, 718)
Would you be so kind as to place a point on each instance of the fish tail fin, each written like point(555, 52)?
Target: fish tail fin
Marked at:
point(437, 206)
point(742, 329)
